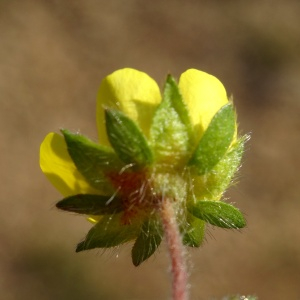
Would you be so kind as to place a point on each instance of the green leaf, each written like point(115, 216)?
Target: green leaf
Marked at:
point(92, 160)
point(127, 139)
point(173, 96)
point(147, 242)
point(193, 231)
point(91, 204)
point(171, 130)
point(221, 176)
point(215, 140)
point(213, 184)
point(218, 214)
point(108, 232)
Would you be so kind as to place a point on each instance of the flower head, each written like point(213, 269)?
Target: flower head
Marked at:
point(180, 145)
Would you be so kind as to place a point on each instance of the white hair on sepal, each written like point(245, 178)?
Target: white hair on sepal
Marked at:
point(113, 196)
point(128, 166)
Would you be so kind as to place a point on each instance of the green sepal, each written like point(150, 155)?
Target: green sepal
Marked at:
point(91, 204)
point(92, 160)
point(193, 231)
point(171, 130)
point(215, 140)
point(172, 95)
point(218, 213)
point(213, 184)
point(127, 139)
point(221, 176)
point(108, 232)
point(147, 241)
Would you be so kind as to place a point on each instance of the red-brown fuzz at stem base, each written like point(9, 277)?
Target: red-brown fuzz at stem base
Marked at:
point(134, 188)
point(139, 199)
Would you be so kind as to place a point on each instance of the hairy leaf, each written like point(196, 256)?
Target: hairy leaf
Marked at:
point(108, 232)
point(92, 160)
point(91, 204)
point(213, 184)
point(147, 242)
point(171, 130)
point(218, 214)
point(193, 232)
point(127, 139)
point(215, 140)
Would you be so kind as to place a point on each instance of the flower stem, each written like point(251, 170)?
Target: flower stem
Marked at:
point(176, 250)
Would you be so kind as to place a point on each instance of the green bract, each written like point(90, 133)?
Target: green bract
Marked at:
point(147, 242)
point(171, 134)
point(182, 146)
point(218, 213)
point(215, 141)
point(127, 139)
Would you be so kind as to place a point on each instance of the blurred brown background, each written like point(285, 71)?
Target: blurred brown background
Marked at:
point(53, 55)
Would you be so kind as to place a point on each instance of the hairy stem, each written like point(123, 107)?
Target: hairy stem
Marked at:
point(176, 250)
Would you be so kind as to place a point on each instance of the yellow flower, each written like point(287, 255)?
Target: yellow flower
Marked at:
point(137, 95)
point(179, 145)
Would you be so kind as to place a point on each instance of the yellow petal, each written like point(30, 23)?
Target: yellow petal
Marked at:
point(131, 91)
point(204, 95)
point(59, 168)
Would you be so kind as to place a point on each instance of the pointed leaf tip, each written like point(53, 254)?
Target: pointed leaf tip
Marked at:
point(127, 139)
point(219, 214)
point(147, 242)
point(80, 247)
point(92, 160)
point(215, 140)
point(90, 204)
point(171, 132)
point(108, 232)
